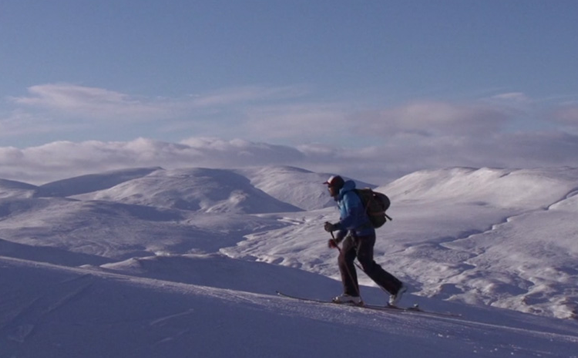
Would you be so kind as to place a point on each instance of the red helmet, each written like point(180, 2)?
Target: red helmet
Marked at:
point(335, 181)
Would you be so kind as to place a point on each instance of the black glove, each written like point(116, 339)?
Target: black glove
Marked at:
point(329, 227)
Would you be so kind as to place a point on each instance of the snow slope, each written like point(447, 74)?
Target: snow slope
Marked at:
point(185, 263)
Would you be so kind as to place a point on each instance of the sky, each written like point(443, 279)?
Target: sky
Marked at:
point(341, 84)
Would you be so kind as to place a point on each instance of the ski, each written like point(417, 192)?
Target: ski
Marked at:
point(409, 309)
point(279, 293)
point(414, 308)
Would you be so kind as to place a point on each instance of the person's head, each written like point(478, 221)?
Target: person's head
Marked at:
point(334, 184)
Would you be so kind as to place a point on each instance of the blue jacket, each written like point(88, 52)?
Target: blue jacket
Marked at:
point(352, 216)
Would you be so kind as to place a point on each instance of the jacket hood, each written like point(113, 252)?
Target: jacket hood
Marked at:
point(349, 185)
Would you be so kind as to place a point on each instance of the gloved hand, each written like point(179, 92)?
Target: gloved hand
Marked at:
point(329, 227)
point(332, 244)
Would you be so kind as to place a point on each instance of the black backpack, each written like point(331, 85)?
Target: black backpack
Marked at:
point(375, 205)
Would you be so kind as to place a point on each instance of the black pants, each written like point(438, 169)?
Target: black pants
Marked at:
point(362, 248)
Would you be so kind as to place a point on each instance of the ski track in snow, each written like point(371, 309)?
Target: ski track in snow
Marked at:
point(163, 320)
point(22, 324)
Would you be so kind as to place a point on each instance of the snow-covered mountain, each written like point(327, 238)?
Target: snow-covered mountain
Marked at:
point(197, 189)
point(14, 189)
point(149, 262)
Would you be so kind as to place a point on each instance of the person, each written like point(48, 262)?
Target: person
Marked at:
point(358, 236)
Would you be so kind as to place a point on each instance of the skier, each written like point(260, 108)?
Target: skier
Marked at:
point(358, 236)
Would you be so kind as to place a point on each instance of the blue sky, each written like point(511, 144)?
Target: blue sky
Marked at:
point(421, 80)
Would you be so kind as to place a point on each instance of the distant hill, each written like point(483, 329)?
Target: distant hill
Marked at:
point(249, 190)
point(196, 189)
point(91, 182)
point(503, 188)
point(15, 189)
point(296, 186)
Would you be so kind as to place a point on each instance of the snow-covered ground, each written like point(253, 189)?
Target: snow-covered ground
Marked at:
point(149, 262)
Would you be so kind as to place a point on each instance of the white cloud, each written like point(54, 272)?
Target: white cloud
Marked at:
point(247, 94)
point(91, 102)
point(227, 112)
point(239, 152)
point(377, 164)
point(566, 115)
point(20, 123)
point(514, 97)
point(285, 114)
point(63, 159)
point(102, 103)
point(427, 119)
point(305, 121)
point(374, 146)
